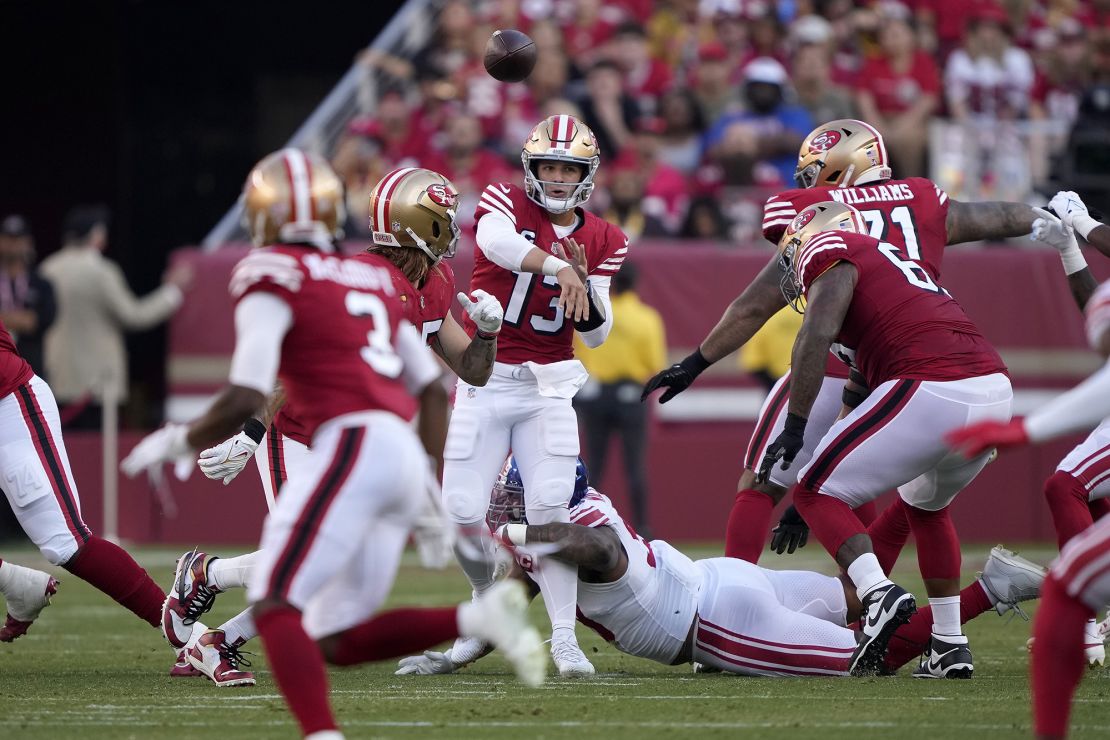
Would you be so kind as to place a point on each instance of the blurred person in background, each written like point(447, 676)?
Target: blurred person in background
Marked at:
point(988, 78)
point(607, 108)
point(666, 191)
point(85, 353)
point(609, 403)
point(626, 202)
point(683, 124)
point(767, 354)
point(360, 164)
point(586, 32)
point(760, 144)
point(811, 73)
point(645, 77)
point(547, 82)
point(27, 305)
point(1064, 71)
point(704, 220)
point(391, 124)
point(467, 163)
point(710, 84)
point(899, 91)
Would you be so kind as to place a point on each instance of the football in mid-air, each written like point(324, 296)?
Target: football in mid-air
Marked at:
point(510, 55)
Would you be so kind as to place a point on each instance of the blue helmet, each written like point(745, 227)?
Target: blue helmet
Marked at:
point(507, 498)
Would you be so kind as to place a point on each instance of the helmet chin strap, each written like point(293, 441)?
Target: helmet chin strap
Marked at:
point(422, 245)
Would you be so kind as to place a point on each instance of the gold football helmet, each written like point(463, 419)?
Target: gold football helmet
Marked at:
point(415, 208)
point(813, 220)
point(566, 139)
point(842, 154)
point(293, 196)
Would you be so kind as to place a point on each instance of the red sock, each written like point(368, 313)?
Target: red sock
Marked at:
point(912, 638)
point(1067, 500)
point(867, 513)
point(830, 520)
point(1057, 662)
point(396, 633)
point(298, 668)
point(748, 525)
point(1099, 508)
point(938, 548)
point(889, 534)
point(108, 567)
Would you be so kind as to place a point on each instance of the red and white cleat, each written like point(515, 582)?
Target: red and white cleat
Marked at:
point(188, 598)
point(215, 658)
point(28, 592)
point(182, 669)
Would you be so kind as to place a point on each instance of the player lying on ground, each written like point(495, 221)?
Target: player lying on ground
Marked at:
point(26, 593)
point(653, 602)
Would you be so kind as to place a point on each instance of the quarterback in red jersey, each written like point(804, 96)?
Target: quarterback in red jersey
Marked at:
point(842, 160)
point(331, 328)
point(522, 235)
point(931, 371)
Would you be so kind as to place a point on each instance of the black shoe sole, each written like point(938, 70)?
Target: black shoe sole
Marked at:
point(867, 660)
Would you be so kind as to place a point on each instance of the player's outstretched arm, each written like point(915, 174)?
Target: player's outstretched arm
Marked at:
point(1051, 230)
point(972, 222)
point(597, 549)
point(1073, 211)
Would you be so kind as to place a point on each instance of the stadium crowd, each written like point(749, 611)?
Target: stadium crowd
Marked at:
point(699, 105)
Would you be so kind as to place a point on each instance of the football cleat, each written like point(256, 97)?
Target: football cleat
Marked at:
point(885, 609)
point(947, 657)
point(182, 668)
point(1009, 578)
point(29, 592)
point(569, 658)
point(1093, 648)
point(188, 598)
point(220, 661)
point(499, 616)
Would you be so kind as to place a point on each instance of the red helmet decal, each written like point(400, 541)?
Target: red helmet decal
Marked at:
point(824, 141)
point(802, 219)
point(441, 195)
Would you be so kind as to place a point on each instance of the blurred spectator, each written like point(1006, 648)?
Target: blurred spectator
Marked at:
point(898, 92)
point(988, 77)
point(715, 93)
point(666, 189)
point(1056, 93)
point(680, 144)
point(404, 143)
point(767, 354)
point(626, 202)
point(27, 305)
point(610, 402)
point(704, 220)
point(586, 32)
point(812, 77)
point(942, 24)
point(451, 47)
point(359, 163)
point(520, 115)
point(760, 145)
point(645, 77)
point(85, 352)
point(764, 32)
point(607, 108)
point(467, 164)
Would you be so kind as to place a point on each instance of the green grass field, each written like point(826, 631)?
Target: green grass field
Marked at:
point(88, 666)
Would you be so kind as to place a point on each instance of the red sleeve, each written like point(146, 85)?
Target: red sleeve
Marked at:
point(590, 514)
point(266, 270)
point(448, 278)
point(778, 212)
point(496, 198)
point(819, 254)
point(934, 207)
point(615, 249)
point(873, 69)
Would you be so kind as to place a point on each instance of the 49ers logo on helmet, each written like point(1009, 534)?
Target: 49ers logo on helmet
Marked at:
point(824, 141)
point(801, 220)
point(442, 196)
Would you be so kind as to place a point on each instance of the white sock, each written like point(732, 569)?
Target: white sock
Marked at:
point(476, 553)
point(325, 735)
point(226, 573)
point(6, 571)
point(867, 574)
point(946, 615)
point(240, 628)
point(558, 584)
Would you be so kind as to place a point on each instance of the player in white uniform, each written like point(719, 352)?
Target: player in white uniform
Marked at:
point(653, 602)
point(521, 235)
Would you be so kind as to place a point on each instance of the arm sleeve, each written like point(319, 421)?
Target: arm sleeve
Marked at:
point(778, 212)
point(138, 313)
point(420, 366)
point(499, 241)
point(599, 293)
point(261, 322)
point(1080, 409)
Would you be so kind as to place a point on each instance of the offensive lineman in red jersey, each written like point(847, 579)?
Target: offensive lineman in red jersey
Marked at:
point(331, 328)
point(421, 204)
point(931, 371)
point(521, 235)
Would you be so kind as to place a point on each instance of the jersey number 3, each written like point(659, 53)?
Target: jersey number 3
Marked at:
point(378, 352)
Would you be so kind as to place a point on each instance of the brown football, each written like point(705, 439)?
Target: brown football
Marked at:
point(510, 55)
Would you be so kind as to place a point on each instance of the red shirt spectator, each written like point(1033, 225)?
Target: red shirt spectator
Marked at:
point(895, 91)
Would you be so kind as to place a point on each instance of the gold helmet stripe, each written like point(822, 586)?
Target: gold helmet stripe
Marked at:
point(389, 184)
point(299, 172)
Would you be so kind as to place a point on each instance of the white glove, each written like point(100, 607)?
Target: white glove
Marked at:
point(429, 664)
point(484, 310)
point(1073, 211)
point(433, 531)
point(165, 445)
point(1052, 230)
point(228, 458)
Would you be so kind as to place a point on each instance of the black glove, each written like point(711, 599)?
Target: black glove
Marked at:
point(785, 447)
point(677, 377)
point(790, 533)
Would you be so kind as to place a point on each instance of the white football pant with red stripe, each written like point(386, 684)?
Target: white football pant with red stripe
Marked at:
point(1089, 462)
point(759, 622)
point(772, 420)
point(278, 458)
point(36, 475)
point(895, 438)
point(333, 542)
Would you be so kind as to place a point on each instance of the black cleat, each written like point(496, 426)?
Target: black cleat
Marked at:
point(884, 610)
point(948, 657)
